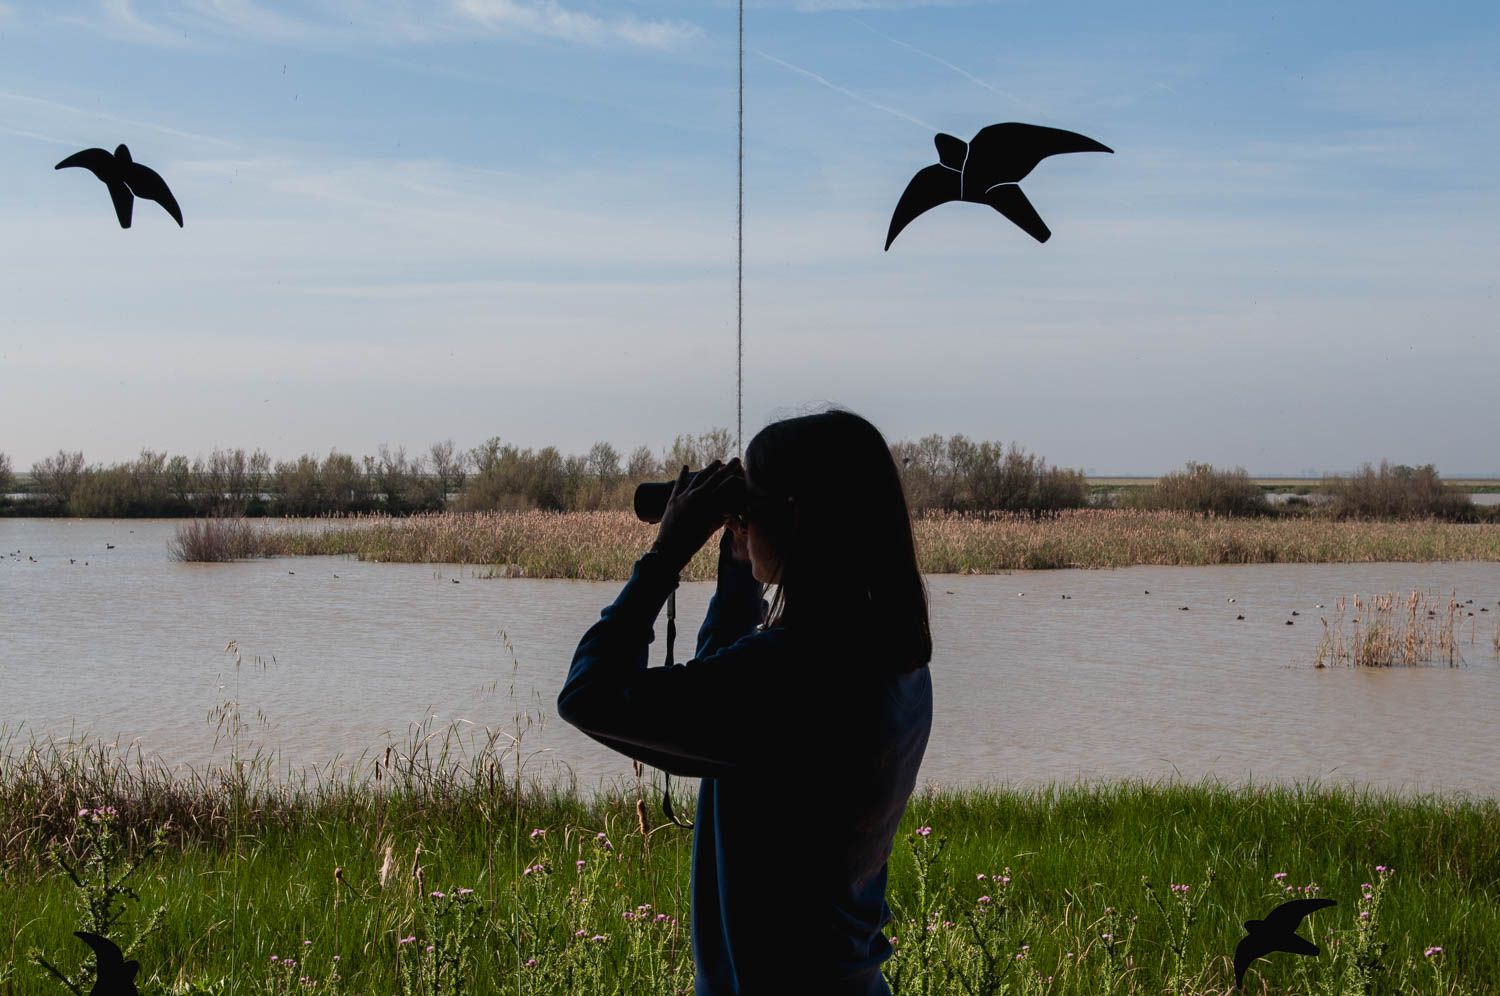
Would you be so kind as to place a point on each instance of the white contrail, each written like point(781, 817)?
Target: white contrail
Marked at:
point(846, 91)
point(960, 70)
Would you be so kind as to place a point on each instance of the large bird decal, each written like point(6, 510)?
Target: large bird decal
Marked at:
point(986, 171)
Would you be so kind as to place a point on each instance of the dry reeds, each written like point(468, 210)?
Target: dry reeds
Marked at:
point(1393, 633)
point(214, 540)
point(602, 545)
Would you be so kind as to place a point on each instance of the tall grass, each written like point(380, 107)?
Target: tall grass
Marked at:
point(603, 545)
point(1059, 890)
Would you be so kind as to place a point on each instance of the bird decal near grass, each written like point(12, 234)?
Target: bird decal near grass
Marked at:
point(987, 171)
point(1277, 932)
point(116, 976)
point(126, 180)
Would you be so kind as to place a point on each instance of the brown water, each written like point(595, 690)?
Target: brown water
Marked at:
point(1030, 688)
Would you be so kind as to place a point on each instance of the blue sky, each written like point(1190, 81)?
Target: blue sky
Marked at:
point(469, 218)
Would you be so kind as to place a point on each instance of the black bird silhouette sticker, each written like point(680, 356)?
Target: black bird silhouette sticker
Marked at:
point(1277, 932)
point(987, 171)
point(116, 976)
point(126, 180)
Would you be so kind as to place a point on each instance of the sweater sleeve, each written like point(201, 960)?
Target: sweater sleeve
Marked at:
point(699, 719)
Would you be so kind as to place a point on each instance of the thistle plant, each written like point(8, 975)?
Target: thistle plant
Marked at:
point(440, 961)
point(99, 863)
point(1179, 919)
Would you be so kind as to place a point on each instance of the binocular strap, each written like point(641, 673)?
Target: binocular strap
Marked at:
point(666, 791)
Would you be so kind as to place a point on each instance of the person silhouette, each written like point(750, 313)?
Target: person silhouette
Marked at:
point(806, 718)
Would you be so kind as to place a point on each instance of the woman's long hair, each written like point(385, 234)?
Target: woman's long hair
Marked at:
point(847, 554)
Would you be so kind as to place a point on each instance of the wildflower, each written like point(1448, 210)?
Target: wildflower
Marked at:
point(83, 813)
point(1020, 955)
point(1279, 876)
point(598, 938)
point(924, 831)
point(531, 963)
point(438, 895)
point(1432, 951)
point(580, 933)
point(465, 892)
point(335, 957)
point(274, 959)
point(290, 963)
point(981, 876)
point(579, 864)
point(659, 918)
point(1364, 914)
point(307, 944)
point(538, 832)
point(1004, 880)
point(983, 900)
point(948, 923)
point(407, 940)
point(429, 949)
point(1107, 937)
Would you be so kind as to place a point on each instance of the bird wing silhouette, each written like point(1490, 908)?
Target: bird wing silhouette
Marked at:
point(1249, 949)
point(1013, 149)
point(933, 185)
point(97, 161)
point(107, 168)
point(146, 182)
point(1286, 918)
point(1008, 199)
point(111, 961)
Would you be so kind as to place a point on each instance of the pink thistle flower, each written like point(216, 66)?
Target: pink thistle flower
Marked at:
point(407, 940)
point(531, 963)
point(1430, 952)
point(465, 892)
point(429, 949)
point(924, 831)
point(580, 933)
point(1364, 914)
point(274, 959)
point(538, 832)
point(598, 938)
point(438, 895)
point(984, 900)
point(1279, 876)
point(981, 876)
point(579, 864)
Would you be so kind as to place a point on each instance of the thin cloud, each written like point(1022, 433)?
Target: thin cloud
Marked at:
point(53, 105)
point(846, 91)
point(549, 19)
point(957, 69)
point(120, 20)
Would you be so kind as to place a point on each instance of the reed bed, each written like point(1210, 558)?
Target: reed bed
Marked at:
point(1390, 631)
point(601, 546)
point(430, 871)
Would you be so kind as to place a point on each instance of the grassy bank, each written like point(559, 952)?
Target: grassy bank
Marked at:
point(1124, 888)
point(603, 545)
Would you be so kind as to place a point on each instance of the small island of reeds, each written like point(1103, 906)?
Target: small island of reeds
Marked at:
point(602, 545)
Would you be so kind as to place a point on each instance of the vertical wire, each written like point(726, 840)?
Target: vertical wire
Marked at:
point(739, 275)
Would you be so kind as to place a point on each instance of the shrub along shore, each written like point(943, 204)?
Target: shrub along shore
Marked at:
point(435, 869)
point(602, 545)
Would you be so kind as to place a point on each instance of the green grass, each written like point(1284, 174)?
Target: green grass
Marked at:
point(256, 866)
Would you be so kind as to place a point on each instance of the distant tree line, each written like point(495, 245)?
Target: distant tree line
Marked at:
point(952, 474)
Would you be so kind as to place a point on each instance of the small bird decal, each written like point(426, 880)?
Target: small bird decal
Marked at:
point(986, 171)
point(116, 976)
point(126, 180)
point(1277, 932)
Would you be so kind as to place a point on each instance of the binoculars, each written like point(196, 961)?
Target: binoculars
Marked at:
point(651, 498)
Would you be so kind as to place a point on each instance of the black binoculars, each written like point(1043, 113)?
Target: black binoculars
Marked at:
point(651, 498)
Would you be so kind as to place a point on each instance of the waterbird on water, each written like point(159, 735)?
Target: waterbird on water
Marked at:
point(126, 180)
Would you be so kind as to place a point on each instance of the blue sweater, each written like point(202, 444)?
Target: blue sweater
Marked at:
point(808, 748)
